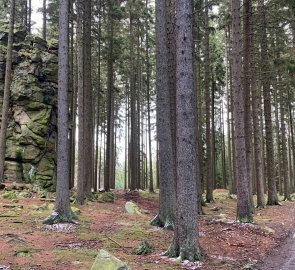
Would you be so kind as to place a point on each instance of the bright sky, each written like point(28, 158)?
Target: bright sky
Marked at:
point(36, 16)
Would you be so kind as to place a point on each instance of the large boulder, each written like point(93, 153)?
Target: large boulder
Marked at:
point(31, 134)
point(106, 261)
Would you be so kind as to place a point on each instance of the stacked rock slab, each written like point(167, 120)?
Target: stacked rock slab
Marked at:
point(31, 135)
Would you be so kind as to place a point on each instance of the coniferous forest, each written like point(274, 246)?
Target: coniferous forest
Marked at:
point(141, 134)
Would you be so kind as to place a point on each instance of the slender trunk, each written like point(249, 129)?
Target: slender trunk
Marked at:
point(257, 129)
point(229, 112)
point(247, 90)
point(80, 64)
point(29, 17)
point(272, 190)
point(62, 202)
point(278, 143)
point(6, 94)
point(44, 20)
point(209, 165)
point(151, 182)
point(243, 203)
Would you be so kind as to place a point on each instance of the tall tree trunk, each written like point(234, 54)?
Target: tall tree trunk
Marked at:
point(81, 193)
point(151, 182)
point(257, 129)
point(229, 113)
point(185, 244)
point(6, 94)
point(44, 28)
point(110, 101)
point(62, 208)
point(88, 146)
point(279, 171)
point(285, 167)
point(133, 151)
point(244, 206)
point(209, 165)
point(272, 190)
point(167, 178)
point(247, 90)
point(29, 17)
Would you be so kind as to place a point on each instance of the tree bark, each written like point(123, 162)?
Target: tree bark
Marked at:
point(272, 190)
point(6, 94)
point(185, 244)
point(62, 202)
point(243, 203)
point(166, 161)
point(44, 28)
point(209, 165)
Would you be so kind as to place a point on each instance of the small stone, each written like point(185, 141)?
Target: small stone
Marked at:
point(268, 230)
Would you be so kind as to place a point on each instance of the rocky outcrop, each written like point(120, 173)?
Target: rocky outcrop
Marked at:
point(31, 136)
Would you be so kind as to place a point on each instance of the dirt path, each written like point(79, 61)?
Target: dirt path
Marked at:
point(282, 257)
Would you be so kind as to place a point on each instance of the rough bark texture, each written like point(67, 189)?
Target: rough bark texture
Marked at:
point(44, 20)
point(186, 233)
point(167, 185)
point(110, 103)
point(257, 130)
point(62, 202)
point(244, 207)
point(209, 165)
point(6, 95)
point(80, 63)
point(88, 146)
point(247, 90)
point(272, 190)
point(148, 71)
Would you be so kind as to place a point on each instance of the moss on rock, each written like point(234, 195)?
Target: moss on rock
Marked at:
point(106, 261)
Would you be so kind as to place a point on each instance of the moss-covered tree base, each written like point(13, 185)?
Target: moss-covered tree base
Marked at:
point(183, 253)
point(56, 218)
point(246, 219)
point(167, 224)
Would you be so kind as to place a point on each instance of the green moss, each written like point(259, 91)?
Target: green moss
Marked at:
point(106, 261)
point(149, 195)
point(24, 253)
point(246, 219)
point(10, 196)
point(144, 248)
point(108, 197)
point(85, 256)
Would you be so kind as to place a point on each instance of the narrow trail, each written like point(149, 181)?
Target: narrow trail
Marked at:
point(282, 257)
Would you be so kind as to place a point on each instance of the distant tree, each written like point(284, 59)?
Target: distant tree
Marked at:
point(6, 95)
point(44, 28)
point(272, 189)
point(209, 150)
point(81, 182)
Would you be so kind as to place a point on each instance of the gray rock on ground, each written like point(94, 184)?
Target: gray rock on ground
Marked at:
point(106, 261)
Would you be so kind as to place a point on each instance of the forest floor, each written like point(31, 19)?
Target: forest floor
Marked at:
point(27, 244)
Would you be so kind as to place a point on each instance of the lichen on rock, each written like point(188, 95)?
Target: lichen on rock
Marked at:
point(31, 134)
point(106, 261)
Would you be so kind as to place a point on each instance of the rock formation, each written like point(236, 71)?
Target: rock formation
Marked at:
point(31, 136)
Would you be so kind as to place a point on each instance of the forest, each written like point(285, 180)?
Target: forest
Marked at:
point(142, 134)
